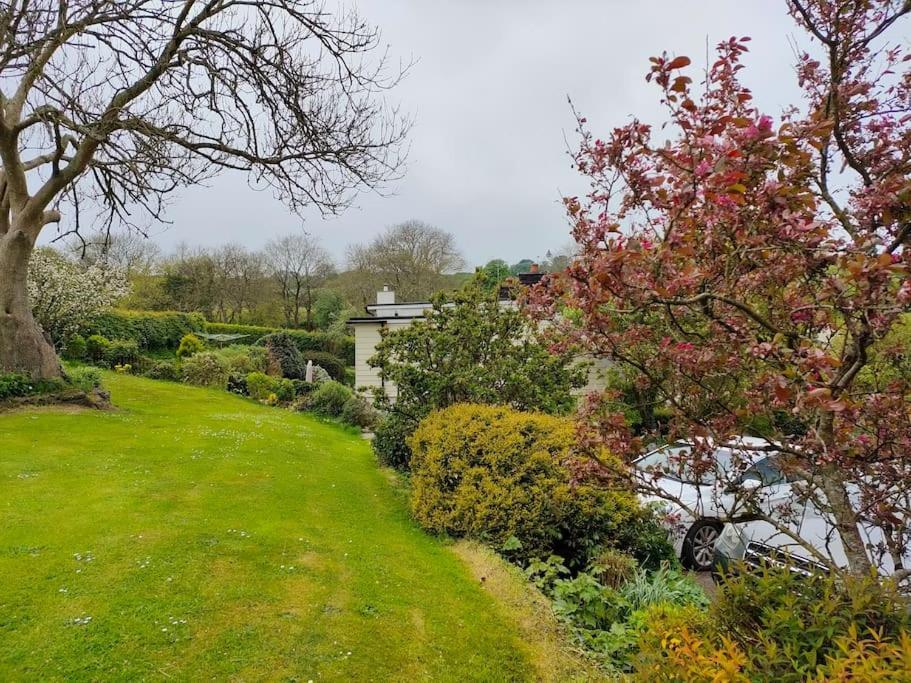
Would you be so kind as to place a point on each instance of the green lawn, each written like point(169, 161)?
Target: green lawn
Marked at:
point(191, 534)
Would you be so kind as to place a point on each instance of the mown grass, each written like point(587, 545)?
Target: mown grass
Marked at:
point(191, 534)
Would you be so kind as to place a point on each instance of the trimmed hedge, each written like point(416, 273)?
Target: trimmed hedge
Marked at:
point(338, 345)
point(149, 329)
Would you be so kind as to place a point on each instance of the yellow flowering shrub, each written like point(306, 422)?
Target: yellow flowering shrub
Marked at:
point(495, 474)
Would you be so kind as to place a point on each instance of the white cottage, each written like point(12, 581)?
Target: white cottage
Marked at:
point(389, 314)
point(384, 313)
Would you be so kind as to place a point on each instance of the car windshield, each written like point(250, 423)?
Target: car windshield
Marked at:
point(674, 462)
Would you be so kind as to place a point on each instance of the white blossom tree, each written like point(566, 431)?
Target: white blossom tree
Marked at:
point(65, 295)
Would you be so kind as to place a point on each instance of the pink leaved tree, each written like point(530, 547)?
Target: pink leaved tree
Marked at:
point(751, 273)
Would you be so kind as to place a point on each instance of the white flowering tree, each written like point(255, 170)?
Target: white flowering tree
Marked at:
point(64, 295)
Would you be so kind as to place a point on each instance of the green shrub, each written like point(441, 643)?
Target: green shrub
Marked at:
point(163, 369)
point(780, 626)
point(149, 329)
point(611, 621)
point(15, 384)
point(358, 413)
point(75, 348)
point(85, 379)
point(285, 354)
point(613, 568)
point(121, 352)
point(284, 390)
point(390, 441)
point(206, 369)
point(787, 624)
point(245, 359)
point(95, 347)
point(329, 399)
point(331, 364)
point(493, 473)
point(260, 385)
point(190, 345)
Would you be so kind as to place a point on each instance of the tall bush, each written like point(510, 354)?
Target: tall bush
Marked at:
point(472, 349)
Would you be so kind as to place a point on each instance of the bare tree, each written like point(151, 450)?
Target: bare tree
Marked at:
point(299, 265)
point(116, 103)
point(129, 251)
point(411, 257)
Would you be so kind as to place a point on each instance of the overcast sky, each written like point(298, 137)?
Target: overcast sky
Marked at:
point(488, 93)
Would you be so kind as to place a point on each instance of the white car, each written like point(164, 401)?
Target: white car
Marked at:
point(695, 502)
point(757, 542)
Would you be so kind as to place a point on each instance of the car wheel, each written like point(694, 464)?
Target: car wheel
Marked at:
point(699, 545)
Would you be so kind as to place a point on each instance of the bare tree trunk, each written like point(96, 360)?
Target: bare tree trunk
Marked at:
point(23, 345)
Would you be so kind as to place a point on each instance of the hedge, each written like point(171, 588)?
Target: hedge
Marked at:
point(149, 329)
point(338, 345)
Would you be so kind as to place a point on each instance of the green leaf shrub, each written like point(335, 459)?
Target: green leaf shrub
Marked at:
point(96, 347)
point(390, 441)
point(121, 352)
point(357, 412)
point(164, 370)
point(189, 345)
point(206, 369)
point(777, 625)
point(329, 399)
point(75, 348)
point(471, 349)
point(84, 378)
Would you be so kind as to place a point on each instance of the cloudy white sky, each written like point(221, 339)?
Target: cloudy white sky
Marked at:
point(488, 93)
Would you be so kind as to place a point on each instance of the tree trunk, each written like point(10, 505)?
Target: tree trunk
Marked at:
point(23, 345)
point(845, 518)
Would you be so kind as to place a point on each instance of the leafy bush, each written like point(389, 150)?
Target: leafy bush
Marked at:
point(163, 369)
point(358, 413)
point(787, 623)
point(75, 348)
point(15, 384)
point(149, 329)
point(85, 379)
point(613, 568)
point(320, 375)
point(96, 347)
point(190, 345)
point(777, 625)
point(611, 621)
point(329, 399)
point(493, 473)
point(285, 354)
point(206, 369)
point(331, 364)
point(260, 385)
point(245, 359)
point(390, 441)
point(121, 352)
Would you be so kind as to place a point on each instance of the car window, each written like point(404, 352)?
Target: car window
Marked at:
point(765, 471)
point(673, 462)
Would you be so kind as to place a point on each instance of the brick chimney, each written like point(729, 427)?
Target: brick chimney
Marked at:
point(386, 297)
point(533, 268)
